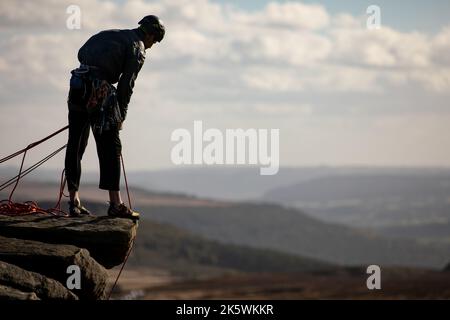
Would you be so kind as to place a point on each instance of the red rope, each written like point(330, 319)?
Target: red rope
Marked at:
point(31, 168)
point(57, 208)
point(61, 190)
point(8, 207)
point(132, 240)
point(18, 176)
point(126, 181)
point(32, 145)
point(121, 269)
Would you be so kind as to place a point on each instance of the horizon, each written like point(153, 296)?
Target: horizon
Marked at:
point(253, 167)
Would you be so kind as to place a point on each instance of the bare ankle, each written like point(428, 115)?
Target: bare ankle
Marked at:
point(74, 197)
point(76, 202)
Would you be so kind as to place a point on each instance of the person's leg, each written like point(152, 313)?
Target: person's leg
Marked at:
point(74, 197)
point(76, 145)
point(115, 198)
point(109, 148)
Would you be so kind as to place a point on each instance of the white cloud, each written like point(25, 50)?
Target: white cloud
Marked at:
point(14, 14)
point(381, 48)
point(272, 79)
point(441, 47)
point(281, 35)
point(284, 61)
point(433, 79)
point(288, 15)
point(283, 110)
point(289, 47)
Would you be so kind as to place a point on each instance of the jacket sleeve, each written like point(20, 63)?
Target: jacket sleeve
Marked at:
point(133, 65)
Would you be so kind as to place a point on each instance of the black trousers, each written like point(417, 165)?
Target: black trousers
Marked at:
point(109, 149)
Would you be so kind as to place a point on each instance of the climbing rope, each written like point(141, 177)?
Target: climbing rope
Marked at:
point(25, 172)
point(122, 267)
point(132, 240)
point(32, 145)
point(126, 181)
point(10, 208)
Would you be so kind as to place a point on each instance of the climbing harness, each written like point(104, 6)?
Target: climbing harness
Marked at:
point(98, 97)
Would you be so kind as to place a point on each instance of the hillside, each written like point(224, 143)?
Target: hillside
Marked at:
point(413, 206)
point(426, 233)
point(171, 263)
point(162, 246)
point(364, 187)
point(166, 247)
point(291, 231)
point(269, 226)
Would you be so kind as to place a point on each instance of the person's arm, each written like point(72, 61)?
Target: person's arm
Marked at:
point(133, 65)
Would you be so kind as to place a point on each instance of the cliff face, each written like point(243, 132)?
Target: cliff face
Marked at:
point(40, 254)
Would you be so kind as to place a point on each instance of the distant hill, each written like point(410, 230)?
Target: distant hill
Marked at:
point(364, 187)
point(426, 233)
point(162, 246)
point(269, 226)
point(414, 206)
point(166, 247)
point(245, 183)
point(289, 230)
point(227, 183)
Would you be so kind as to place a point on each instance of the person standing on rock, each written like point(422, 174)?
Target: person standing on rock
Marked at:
point(109, 57)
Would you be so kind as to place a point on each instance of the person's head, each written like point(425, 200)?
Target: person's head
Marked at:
point(153, 29)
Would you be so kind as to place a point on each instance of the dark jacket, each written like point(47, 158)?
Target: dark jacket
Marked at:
point(119, 56)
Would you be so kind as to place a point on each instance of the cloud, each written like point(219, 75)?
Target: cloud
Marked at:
point(340, 50)
point(281, 62)
point(287, 15)
point(27, 13)
point(381, 48)
point(440, 48)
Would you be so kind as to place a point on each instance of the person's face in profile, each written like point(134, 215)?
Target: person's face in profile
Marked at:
point(149, 40)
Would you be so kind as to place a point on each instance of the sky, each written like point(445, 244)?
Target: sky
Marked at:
point(404, 15)
point(340, 94)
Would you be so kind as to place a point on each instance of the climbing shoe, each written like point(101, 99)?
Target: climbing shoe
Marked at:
point(77, 210)
point(122, 211)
